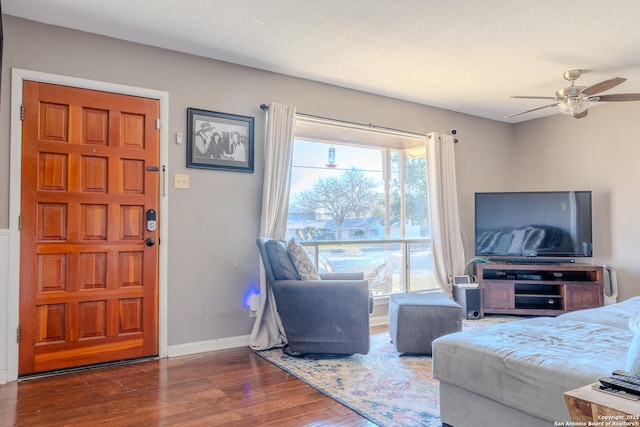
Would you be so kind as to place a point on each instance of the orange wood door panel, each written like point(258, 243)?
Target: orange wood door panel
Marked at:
point(88, 281)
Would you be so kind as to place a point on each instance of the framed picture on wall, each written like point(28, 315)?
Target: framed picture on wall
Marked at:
point(219, 141)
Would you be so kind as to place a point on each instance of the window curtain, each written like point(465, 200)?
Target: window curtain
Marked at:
point(281, 120)
point(446, 238)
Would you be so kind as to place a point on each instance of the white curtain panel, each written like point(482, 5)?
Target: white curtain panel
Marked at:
point(446, 238)
point(281, 121)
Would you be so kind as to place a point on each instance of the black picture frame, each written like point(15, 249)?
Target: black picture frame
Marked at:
point(219, 141)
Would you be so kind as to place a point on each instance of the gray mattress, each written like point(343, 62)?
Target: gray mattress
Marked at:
point(529, 364)
point(614, 315)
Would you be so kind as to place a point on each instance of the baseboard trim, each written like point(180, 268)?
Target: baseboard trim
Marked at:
point(379, 321)
point(205, 346)
point(232, 342)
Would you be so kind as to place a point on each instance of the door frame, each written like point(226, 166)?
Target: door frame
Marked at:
point(15, 179)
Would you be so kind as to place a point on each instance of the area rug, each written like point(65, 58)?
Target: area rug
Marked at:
point(388, 389)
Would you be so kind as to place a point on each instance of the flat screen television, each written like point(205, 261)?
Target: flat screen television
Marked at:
point(533, 224)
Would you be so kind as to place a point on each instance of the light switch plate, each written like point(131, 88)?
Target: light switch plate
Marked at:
point(181, 181)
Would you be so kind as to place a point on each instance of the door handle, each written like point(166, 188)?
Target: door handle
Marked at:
point(150, 241)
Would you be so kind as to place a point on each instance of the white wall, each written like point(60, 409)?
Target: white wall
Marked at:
point(212, 257)
point(213, 260)
point(598, 153)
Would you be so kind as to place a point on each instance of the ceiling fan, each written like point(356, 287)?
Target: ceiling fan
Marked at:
point(574, 100)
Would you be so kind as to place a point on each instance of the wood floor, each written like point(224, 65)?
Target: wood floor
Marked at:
point(223, 388)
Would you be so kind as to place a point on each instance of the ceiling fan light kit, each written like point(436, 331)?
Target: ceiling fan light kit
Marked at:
point(573, 106)
point(575, 100)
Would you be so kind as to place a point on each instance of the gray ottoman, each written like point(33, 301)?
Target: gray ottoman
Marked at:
point(416, 319)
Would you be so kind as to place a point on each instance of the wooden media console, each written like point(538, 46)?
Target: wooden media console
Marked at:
point(539, 289)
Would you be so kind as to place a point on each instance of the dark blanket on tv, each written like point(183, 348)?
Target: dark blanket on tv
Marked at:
point(526, 241)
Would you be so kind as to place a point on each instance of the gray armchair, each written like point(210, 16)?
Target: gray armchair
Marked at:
point(328, 316)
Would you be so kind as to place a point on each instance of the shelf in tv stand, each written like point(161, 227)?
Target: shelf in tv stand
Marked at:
point(539, 289)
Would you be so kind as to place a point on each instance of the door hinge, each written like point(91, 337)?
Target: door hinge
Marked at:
point(158, 124)
point(21, 112)
point(18, 334)
point(19, 222)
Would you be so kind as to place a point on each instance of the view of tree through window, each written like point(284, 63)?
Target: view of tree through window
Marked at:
point(415, 189)
point(336, 201)
point(341, 200)
point(349, 195)
point(347, 199)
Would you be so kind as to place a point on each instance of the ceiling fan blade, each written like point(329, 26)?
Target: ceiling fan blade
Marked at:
point(581, 115)
point(602, 86)
point(620, 97)
point(535, 109)
point(534, 97)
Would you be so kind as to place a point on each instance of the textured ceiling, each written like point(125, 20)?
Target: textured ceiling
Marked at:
point(467, 56)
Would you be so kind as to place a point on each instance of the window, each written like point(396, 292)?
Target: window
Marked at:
point(358, 201)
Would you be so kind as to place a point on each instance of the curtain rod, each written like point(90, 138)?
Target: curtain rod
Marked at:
point(265, 107)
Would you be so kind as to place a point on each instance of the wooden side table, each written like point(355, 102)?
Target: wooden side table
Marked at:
point(587, 404)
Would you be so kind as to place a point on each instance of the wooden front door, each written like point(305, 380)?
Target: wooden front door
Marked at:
point(88, 262)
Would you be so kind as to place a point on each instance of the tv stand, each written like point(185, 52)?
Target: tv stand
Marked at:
point(539, 289)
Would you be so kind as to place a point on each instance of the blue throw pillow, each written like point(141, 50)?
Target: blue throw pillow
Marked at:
point(281, 263)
